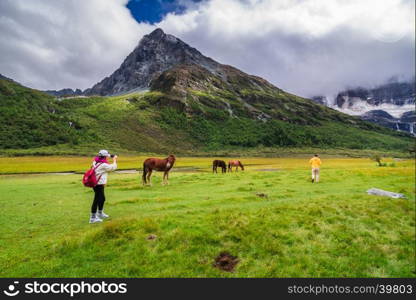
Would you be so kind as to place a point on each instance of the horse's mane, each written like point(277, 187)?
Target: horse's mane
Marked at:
point(170, 157)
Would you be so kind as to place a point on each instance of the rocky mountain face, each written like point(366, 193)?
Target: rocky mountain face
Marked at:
point(155, 53)
point(234, 94)
point(391, 105)
point(404, 123)
point(394, 93)
point(181, 77)
point(196, 84)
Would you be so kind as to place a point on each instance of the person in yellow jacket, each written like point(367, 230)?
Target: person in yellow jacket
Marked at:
point(315, 164)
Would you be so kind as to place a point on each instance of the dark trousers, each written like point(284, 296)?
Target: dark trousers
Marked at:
point(99, 198)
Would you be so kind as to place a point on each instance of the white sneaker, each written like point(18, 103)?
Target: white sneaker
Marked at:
point(102, 215)
point(95, 220)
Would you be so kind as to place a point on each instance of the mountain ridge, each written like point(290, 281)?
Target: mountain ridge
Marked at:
point(148, 122)
point(397, 98)
point(155, 53)
point(184, 101)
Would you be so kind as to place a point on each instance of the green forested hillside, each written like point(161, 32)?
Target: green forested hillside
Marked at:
point(174, 117)
point(30, 118)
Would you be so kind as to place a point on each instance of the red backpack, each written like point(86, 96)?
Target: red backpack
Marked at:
point(90, 179)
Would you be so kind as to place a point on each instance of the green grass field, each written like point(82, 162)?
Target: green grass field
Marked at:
point(276, 222)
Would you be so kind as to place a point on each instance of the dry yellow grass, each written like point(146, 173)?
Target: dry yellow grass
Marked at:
point(41, 164)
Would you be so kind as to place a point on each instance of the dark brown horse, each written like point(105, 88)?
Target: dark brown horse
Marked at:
point(236, 164)
point(219, 163)
point(157, 164)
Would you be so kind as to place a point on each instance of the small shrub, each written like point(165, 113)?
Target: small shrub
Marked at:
point(377, 158)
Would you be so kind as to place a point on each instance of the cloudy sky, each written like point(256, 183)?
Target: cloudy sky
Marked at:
point(307, 47)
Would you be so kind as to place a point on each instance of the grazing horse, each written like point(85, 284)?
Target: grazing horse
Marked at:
point(219, 163)
point(157, 164)
point(236, 164)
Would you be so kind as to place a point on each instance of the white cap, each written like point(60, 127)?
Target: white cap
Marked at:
point(103, 153)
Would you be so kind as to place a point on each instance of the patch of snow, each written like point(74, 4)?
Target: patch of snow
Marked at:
point(360, 107)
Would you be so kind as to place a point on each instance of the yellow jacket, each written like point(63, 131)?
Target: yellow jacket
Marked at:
point(315, 162)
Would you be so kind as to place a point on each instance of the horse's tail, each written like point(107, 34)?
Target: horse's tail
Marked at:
point(241, 165)
point(144, 173)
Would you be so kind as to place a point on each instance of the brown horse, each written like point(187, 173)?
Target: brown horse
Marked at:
point(219, 163)
point(157, 164)
point(236, 164)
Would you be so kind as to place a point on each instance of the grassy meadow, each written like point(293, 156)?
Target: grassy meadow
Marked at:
point(270, 216)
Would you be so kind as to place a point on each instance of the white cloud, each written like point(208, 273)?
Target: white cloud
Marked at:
point(50, 44)
point(304, 46)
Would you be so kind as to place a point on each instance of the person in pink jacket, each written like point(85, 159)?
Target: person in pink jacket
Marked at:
point(101, 172)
